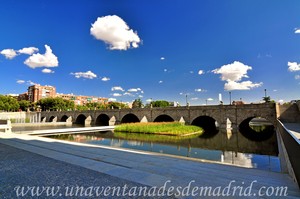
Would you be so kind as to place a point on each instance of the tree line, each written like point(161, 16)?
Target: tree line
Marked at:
point(8, 103)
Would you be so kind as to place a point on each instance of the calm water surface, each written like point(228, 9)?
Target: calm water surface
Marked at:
point(225, 146)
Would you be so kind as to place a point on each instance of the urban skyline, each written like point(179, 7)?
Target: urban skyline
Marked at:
point(170, 50)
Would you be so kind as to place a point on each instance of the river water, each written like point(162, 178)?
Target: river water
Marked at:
point(225, 146)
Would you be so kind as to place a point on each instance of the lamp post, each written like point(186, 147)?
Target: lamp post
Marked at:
point(186, 101)
point(265, 93)
point(230, 97)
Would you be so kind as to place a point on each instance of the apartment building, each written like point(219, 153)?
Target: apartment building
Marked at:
point(37, 92)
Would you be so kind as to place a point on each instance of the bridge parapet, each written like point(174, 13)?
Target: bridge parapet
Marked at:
point(220, 113)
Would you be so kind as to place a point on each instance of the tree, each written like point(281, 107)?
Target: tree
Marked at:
point(267, 99)
point(8, 103)
point(160, 103)
point(24, 105)
point(55, 104)
point(137, 103)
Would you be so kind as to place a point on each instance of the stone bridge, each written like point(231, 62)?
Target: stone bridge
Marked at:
point(219, 115)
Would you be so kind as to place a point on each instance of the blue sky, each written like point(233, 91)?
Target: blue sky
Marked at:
point(153, 49)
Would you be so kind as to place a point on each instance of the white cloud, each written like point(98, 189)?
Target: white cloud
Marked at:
point(200, 72)
point(28, 51)
point(293, 66)
point(88, 75)
point(160, 82)
point(297, 30)
point(20, 81)
point(117, 88)
point(129, 94)
point(165, 70)
point(140, 96)
point(198, 90)
point(233, 72)
point(29, 82)
point(162, 58)
point(245, 85)
point(9, 53)
point(47, 70)
point(112, 99)
point(117, 94)
point(105, 79)
point(194, 98)
point(115, 32)
point(42, 60)
point(149, 100)
point(210, 99)
point(297, 76)
point(134, 90)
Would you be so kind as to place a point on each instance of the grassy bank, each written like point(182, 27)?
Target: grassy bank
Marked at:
point(160, 128)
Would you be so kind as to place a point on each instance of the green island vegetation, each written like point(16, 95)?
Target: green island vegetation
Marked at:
point(160, 128)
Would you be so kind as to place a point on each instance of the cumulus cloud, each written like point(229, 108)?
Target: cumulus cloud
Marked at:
point(293, 66)
point(20, 81)
point(114, 31)
point(210, 99)
point(129, 94)
point(47, 70)
point(117, 88)
point(29, 82)
point(117, 94)
point(28, 50)
point(42, 60)
point(134, 90)
point(105, 79)
point(245, 85)
point(297, 76)
point(200, 72)
point(233, 74)
point(194, 98)
point(160, 82)
point(297, 30)
point(9, 53)
point(198, 90)
point(162, 58)
point(87, 75)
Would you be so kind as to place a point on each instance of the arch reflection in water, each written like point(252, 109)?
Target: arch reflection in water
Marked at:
point(256, 128)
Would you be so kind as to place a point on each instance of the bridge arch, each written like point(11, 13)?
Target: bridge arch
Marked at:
point(209, 125)
point(102, 120)
point(43, 119)
point(130, 118)
point(163, 118)
point(80, 119)
point(52, 119)
point(64, 118)
point(256, 128)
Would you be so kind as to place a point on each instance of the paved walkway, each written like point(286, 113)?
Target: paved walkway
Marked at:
point(120, 166)
point(294, 129)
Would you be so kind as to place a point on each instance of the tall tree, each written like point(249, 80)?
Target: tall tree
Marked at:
point(137, 103)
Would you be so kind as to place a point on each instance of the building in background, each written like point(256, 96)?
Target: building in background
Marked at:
point(37, 92)
point(82, 100)
point(23, 96)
